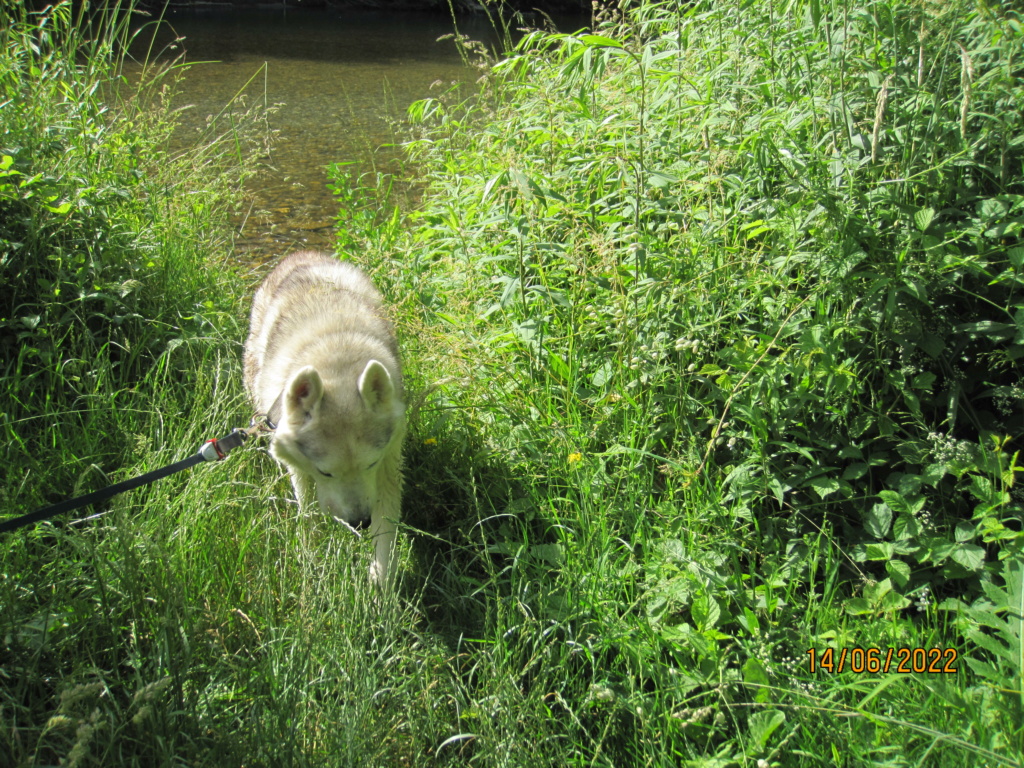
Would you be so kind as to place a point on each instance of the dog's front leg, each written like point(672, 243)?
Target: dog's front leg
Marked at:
point(382, 530)
point(387, 510)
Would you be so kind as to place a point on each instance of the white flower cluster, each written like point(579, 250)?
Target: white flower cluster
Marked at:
point(923, 600)
point(950, 451)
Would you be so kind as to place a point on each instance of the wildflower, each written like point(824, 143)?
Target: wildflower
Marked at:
point(430, 441)
point(923, 601)
point(575, 458)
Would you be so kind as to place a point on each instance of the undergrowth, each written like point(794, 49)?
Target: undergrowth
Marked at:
point(732, 296)
point(103, 241)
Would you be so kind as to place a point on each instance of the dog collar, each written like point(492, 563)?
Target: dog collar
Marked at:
point(273, 417)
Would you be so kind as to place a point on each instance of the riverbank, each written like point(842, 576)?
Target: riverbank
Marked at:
point(721, 306)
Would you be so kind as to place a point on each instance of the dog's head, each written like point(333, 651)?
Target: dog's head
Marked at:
point(338, 432)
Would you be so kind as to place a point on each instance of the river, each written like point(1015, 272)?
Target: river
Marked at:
point(341, 81)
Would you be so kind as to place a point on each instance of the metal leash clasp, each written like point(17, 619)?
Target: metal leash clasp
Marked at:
point(217, 450)
point(260, 423)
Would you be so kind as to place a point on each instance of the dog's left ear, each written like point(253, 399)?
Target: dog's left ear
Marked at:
point(375, 386)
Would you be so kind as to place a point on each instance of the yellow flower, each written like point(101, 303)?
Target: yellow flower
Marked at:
point(575, 458)
point(430, 441)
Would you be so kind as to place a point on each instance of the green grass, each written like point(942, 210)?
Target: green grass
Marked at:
point(722, 310)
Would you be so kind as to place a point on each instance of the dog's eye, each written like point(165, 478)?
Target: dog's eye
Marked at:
point(325, 474)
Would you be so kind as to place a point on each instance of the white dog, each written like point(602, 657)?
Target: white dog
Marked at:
point(322, 362)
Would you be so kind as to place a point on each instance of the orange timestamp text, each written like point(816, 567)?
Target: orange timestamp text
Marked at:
point(904, 661)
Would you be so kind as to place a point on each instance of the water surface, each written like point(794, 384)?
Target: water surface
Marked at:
point(342, 81)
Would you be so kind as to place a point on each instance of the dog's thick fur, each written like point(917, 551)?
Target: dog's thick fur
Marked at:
point(319, 340)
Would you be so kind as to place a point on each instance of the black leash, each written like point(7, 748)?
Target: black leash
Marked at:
point(211, 450)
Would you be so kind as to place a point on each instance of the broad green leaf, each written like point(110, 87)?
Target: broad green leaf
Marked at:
point(824, 485)
point(940, 548)
point(875, 592)
point(603, 374)
point(923, 218)
point(906, 547)
point(924, 381)
point(933, 473)
point(858, 606)
point(894, 501)
point(877, 520)
point(970, 556)
point(899, 572)
point(881, 551)
point(892, 602)
point(711, 369)
point(917, 289)
point(754, 674)
point(661, 179)
point(989, 328)
point(906, 527)
point(992, 643)
point(58, 209)
point(985, 670)
point(500, 178)
point(749, 621)
point(706, 612)
point(559, 367)
point(855, 471)
point(523, 183)
point(763, 724)
point(600, 41)
point(1009, 645)
point(548, 553)
point(981, 488)
point(964, 531)
point(992, 209)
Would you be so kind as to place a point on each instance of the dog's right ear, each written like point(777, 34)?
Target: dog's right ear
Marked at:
point(375, 385)
point(304, 391)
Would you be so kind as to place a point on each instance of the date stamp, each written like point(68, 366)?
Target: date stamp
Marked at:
point(903, 661)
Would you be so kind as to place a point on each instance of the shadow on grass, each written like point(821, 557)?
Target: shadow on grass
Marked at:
point(458, 507)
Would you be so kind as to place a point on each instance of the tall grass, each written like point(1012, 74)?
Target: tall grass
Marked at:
point(119, 333)
point(721, 307)
point(105, 246)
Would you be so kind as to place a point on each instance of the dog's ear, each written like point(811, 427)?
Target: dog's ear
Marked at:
point(304, 391)
point(375, 386)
